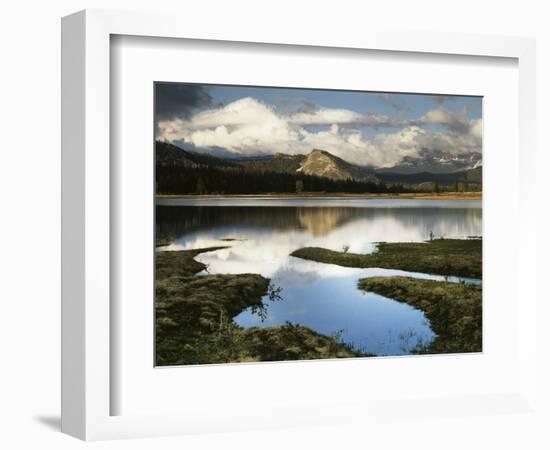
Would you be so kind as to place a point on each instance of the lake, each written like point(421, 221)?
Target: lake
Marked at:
point(261, 233)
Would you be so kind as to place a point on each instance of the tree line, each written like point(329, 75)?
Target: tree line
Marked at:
point(209, 180)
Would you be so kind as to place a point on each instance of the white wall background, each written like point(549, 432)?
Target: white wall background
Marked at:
point(30, 197)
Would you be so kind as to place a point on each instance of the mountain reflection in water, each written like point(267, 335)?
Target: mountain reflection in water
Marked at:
point(323, 297)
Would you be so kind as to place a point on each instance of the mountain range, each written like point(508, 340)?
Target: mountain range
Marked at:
point(435, 161)
point(428, 167)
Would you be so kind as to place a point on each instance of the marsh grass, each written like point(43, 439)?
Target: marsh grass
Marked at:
point(459, 257)
point(453, 309)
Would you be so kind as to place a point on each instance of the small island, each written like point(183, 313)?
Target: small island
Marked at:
point(451, 257)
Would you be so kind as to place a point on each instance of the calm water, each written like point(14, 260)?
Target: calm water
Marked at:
point(261, 233)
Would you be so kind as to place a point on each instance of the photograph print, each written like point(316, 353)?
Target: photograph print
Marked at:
point(305, 224)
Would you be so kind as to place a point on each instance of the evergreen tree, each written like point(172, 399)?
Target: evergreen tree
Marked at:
point(201, 188)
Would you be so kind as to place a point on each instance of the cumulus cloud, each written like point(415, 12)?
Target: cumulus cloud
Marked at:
point(250, 127)
point(454, 121)
point(329, 116)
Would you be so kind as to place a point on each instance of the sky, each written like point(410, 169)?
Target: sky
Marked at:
point(366, 128)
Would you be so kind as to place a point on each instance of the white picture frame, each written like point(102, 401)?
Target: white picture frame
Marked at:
point(86, 220)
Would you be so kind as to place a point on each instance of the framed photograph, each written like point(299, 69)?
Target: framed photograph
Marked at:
point(321, 212)
point(271, 248)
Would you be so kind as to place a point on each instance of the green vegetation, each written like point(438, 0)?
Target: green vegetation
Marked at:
point(278, 343)
point(201, 180)
point(454, 309)
point(469, 180)
point(460, 257)
point(194, 318)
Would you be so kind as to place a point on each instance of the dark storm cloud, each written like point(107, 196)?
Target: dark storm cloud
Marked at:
point(440, 99)
point(400, 107)
point(179, 100)
point(307, 106)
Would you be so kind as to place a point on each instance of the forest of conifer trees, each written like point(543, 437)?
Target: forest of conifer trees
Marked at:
point(209, 180)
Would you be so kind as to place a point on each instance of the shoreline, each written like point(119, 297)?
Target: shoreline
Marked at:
point(194, 314)
point(446, 257)
point(314, 195)
point(194, 318)
point(453, 309)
